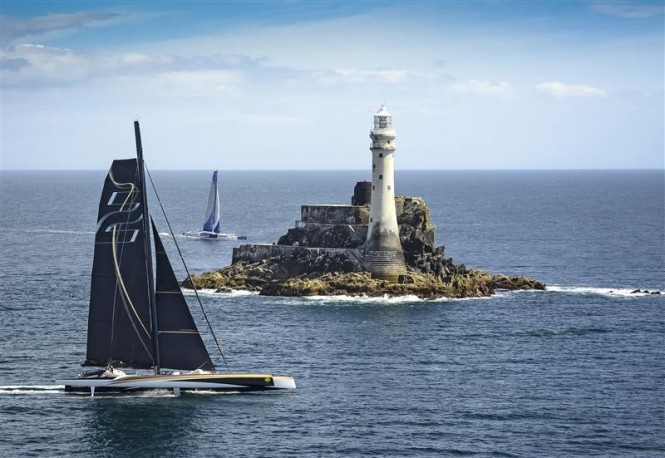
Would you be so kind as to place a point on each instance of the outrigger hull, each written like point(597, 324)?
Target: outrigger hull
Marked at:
point(179, 383)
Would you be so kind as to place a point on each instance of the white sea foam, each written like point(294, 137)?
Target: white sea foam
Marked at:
point(156, 393)
point(609, 292)
point(31, 389)
point(344, 299)
point(213, 292)
point(367, 300)
point(411, 299)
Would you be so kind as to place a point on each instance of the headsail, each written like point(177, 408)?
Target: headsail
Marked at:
point(213, 213)
point(119, 323)
point(180, 344)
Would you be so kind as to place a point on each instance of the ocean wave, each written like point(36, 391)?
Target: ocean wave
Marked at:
point(609, 292)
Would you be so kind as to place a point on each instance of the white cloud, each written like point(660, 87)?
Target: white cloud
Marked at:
point(559, 89)
point(481, 88)
point(44, 65)
point(352, 75)
point(270, 119)
point(40, 67)
point(629, 9)
point(202, 82)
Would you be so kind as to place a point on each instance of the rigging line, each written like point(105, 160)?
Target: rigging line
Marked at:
point(198, 298)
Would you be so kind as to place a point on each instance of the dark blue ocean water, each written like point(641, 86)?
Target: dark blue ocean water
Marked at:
point(577, 370)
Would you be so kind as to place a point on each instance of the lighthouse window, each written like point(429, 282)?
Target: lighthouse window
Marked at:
point(373, 188)
point(388, 187)
point(371, 220)
point(380, 177)
point(373, 166)
point(380, 154)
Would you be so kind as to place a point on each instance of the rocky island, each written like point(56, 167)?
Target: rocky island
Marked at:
point(379, 245)
point(323, 255)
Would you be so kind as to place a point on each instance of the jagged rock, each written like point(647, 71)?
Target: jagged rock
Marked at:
point(470, 283)
point(513, 283)
point(305, 261)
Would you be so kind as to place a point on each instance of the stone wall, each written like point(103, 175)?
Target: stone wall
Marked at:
point(334, 214)
point(260, 251)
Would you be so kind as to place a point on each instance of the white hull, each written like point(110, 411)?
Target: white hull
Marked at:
point(205, 235)
point(179, 382)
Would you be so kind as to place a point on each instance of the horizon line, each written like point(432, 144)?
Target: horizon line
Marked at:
point(561, 169)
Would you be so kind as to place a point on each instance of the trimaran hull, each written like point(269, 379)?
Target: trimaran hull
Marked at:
point(179, 383)
point(208, 235)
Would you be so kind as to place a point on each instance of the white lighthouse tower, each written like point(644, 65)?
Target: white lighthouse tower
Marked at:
point(383, 255)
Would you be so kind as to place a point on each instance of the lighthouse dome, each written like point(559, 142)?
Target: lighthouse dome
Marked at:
point(383, 119)
point(382, 111)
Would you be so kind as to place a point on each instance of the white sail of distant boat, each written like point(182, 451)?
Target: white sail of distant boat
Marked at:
point(212, 219)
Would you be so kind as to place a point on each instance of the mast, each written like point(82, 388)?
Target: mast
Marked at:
point(152, 301)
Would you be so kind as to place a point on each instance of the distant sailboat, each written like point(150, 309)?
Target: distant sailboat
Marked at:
point(138, 319)
point(212, 223)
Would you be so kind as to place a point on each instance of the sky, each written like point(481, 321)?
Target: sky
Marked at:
point(294, 84)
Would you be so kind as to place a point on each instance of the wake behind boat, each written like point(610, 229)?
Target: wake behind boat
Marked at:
point(212, 224)
point(139, 319)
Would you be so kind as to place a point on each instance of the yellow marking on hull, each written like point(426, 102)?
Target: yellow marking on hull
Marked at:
point(197, 376)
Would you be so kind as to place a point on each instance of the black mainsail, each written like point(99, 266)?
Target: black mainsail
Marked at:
point(119, 323)
point(135, 321)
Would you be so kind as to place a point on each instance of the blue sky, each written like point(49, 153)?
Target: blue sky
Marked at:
point(293, 84)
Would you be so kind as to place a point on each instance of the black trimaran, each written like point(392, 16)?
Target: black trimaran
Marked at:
point(140, 320)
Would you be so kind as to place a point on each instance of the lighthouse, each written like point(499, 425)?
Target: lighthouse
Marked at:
point(383, 255)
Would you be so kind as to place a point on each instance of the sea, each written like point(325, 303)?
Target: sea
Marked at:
point(577, 370)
